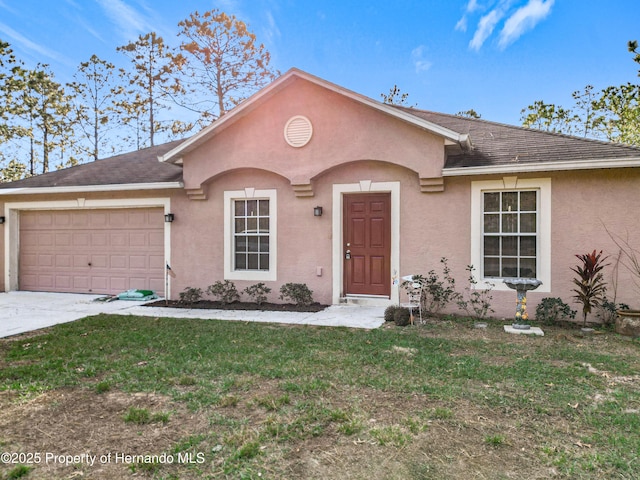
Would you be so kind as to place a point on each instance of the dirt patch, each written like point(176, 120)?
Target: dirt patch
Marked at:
point(215, 305)
point(394, 436)
point(57, 424)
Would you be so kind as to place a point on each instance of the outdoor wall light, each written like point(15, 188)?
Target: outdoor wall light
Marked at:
point(2, 220)
point(317, 212)
point(169, 217)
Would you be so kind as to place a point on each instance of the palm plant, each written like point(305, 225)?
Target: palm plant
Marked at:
point(590, 282)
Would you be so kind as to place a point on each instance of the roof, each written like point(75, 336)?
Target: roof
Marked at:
point(474, 146)
point(134, 168)
point(516, 148)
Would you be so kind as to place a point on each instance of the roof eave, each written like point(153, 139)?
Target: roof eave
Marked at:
point(120, 187)
point(604, 163)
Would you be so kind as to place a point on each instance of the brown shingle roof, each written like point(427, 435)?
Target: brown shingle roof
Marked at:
point(141, 166)
point(493, 144)
point(499, 144)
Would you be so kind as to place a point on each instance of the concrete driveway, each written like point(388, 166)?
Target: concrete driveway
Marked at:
point(26, 311)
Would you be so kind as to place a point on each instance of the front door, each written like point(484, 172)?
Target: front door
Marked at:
point(367, 244)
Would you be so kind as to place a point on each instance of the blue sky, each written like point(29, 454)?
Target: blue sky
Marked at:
point(495, 56)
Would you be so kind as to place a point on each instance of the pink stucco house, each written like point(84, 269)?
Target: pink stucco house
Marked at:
point(398, 189)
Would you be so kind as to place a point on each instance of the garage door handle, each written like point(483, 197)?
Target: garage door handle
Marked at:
point(89, 263)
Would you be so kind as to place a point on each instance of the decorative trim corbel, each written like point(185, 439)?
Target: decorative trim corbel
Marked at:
point(303, 189)
point(196, 193)
point(432, 185)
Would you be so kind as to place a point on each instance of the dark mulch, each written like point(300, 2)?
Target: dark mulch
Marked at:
point(210, 304)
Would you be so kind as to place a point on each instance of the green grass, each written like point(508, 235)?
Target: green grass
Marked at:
point(266, 390)
point(142, 416)
point(18, 471)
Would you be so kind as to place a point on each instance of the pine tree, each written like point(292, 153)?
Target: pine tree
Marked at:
point(221, 63)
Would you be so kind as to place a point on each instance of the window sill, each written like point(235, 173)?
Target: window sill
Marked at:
point(251, 275)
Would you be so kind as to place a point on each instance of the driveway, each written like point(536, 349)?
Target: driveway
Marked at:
point(26, 311)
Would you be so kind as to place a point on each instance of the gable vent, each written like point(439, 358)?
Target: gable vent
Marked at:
point(298, 131)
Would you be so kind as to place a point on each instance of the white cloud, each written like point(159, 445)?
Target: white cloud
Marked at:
point(130, 22)
point(517, 22)
point(471, 7)
point(271, 30)
point(462, 24)
point(485, 27)
point(419, 62)
point(523, 19)
point(8, 8)
point(27, 44)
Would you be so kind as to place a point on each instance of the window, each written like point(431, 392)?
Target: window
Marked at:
point(250, 234)
point(511, 230)
point(510, 234)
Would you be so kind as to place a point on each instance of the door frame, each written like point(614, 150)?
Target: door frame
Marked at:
point(364, 186)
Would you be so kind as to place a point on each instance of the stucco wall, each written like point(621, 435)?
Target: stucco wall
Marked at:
point(343, 131)
point(583, 203)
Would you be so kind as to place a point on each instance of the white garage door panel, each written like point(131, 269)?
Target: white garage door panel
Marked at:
point(92, 251)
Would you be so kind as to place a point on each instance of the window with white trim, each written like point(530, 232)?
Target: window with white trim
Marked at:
point(250, 234)
point(511, 230)
point(510, 234)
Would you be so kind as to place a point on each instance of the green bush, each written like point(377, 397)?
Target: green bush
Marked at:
point(225, 292)
point(402, 317)
point(608, 311)
point(389, 313)
point(477, 303)
point(552, 310)
point(190, 295)
point(437, 293)
point(298, 293)
point(258, 292)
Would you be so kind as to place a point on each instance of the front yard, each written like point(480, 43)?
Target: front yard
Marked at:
point(123, 397)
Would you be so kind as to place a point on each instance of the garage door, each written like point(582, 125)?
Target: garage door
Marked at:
point(92, 251)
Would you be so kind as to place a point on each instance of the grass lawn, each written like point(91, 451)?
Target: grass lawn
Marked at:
point(179, 399)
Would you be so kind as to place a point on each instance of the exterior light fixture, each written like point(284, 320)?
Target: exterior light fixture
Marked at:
point(169, 217)
point(317, 212)
point(2, 219)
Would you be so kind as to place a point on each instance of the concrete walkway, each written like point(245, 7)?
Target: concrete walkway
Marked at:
point(26, 311)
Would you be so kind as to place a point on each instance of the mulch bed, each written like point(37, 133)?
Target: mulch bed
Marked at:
point(210, 304)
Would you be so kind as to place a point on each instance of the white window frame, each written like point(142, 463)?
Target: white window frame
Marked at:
point(229, 202)
point(511, 184)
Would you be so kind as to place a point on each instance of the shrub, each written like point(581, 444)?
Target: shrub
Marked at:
point(402, 316)
point(478, 302)
point(590, 282)
point(298, 293)
point(390, 312)
point(258, 292)
point(552, 310)
point(436, 293)
point(225, 292)
point(190, 295)
point(608, 311)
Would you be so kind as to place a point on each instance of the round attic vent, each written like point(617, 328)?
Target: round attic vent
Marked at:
point(298, 131)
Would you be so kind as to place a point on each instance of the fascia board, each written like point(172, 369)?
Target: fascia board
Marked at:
point(91, 188)
point(544, 167)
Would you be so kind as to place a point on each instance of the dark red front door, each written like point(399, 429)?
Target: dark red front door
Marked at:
point(367, 244)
